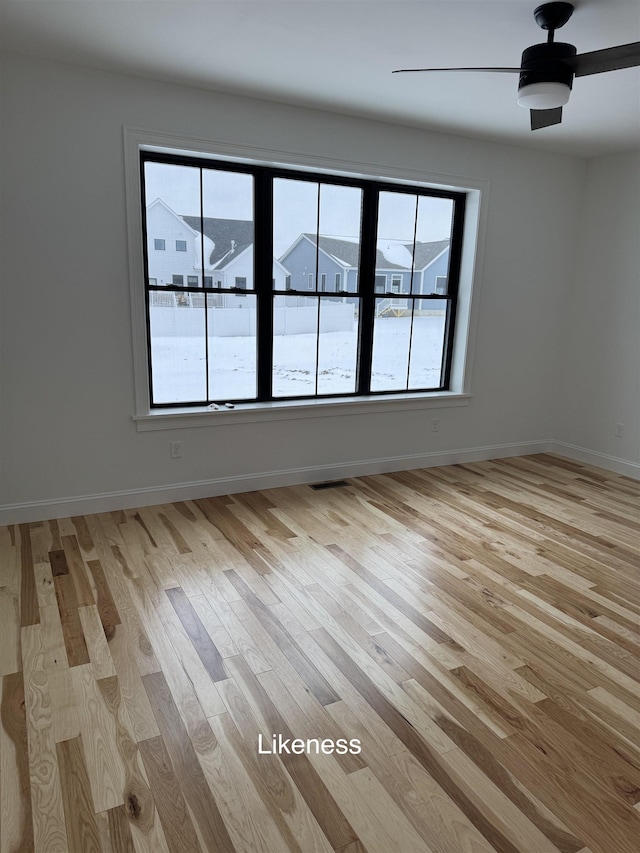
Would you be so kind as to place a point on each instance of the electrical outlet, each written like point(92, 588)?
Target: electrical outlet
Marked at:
point(435, 424)
point(175, 449)
point(619, 430)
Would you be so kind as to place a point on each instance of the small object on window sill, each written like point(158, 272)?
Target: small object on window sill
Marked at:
point(214, 406)
point(229, 406)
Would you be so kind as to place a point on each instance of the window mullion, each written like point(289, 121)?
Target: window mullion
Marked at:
point(366, 279)
point(453, 283)
point(263, 275)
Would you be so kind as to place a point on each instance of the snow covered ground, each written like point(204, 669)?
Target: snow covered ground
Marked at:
point(179, 363)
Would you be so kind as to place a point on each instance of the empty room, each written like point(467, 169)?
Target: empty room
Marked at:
point(319, 426)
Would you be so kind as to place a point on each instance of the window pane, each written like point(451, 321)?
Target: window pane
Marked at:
point(295, 345)
point(427, 343)
point(227, 210)
point(295, 225)
point(433, 238)
point(339, 235)
point(338, 345)
point(232, 346)
point(391, 338)
point(394, 242)
point(172, 193)
point(316, 235)
point(178, 356)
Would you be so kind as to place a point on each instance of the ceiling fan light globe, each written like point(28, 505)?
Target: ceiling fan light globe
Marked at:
point(543, 96)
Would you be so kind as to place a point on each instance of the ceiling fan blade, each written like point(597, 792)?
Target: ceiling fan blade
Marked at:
point(506, 70)
point(609, 59)
point(545, 118)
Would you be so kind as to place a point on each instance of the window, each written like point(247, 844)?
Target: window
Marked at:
point(181, 245)
point(441, 284)
point(159, 245)
point(286, 336)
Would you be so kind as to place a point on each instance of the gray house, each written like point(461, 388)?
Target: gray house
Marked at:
point(338, 261)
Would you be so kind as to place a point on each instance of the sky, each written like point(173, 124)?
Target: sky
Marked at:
point(228, 195)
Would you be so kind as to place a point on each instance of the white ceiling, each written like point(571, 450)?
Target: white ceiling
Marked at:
point(339, 54)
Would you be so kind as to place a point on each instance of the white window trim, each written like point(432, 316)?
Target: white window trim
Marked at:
point(146, 418)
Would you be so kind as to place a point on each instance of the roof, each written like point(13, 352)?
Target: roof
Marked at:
point(347, 252)
point(425, 253)
point(227, 235)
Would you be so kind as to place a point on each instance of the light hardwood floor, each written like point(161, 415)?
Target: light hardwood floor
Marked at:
point(476, 627)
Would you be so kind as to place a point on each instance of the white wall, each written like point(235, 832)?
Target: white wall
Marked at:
point(67, 381)
point(601, 360)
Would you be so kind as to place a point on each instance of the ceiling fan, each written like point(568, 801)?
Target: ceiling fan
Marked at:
point(547, 70)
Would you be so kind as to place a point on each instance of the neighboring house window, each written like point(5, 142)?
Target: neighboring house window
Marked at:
point(192, 280)
point(159, 245)
point(153, 281)
point(287, 337)
point(441, 284)
point(181, 245)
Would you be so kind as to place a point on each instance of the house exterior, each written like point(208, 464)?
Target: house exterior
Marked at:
point(174, 253)
point(338, 260)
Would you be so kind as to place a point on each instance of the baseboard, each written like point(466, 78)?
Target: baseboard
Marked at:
point(109, 501)
point(599, 460)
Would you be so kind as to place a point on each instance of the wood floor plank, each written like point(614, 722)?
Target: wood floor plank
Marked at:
point(172, 809)
point(9, 610)
point(77, 652)
point(202, 642)
point(186, 766)
point(99, 735)
point(29, 613)
point(50, 835)
point(138, 802)
point(77, 570)
point(82, 828)
point(16, 827)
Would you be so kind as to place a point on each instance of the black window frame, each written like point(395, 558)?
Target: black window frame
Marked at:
point(266, 293)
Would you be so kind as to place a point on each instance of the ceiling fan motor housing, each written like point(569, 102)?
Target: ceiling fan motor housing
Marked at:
point(544, 63)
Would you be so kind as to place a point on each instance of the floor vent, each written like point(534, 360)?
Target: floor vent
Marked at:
point(331, 484)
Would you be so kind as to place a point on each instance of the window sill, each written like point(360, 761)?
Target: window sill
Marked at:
point(162, 419)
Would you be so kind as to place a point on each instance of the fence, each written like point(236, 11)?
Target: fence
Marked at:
point(173, 321)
